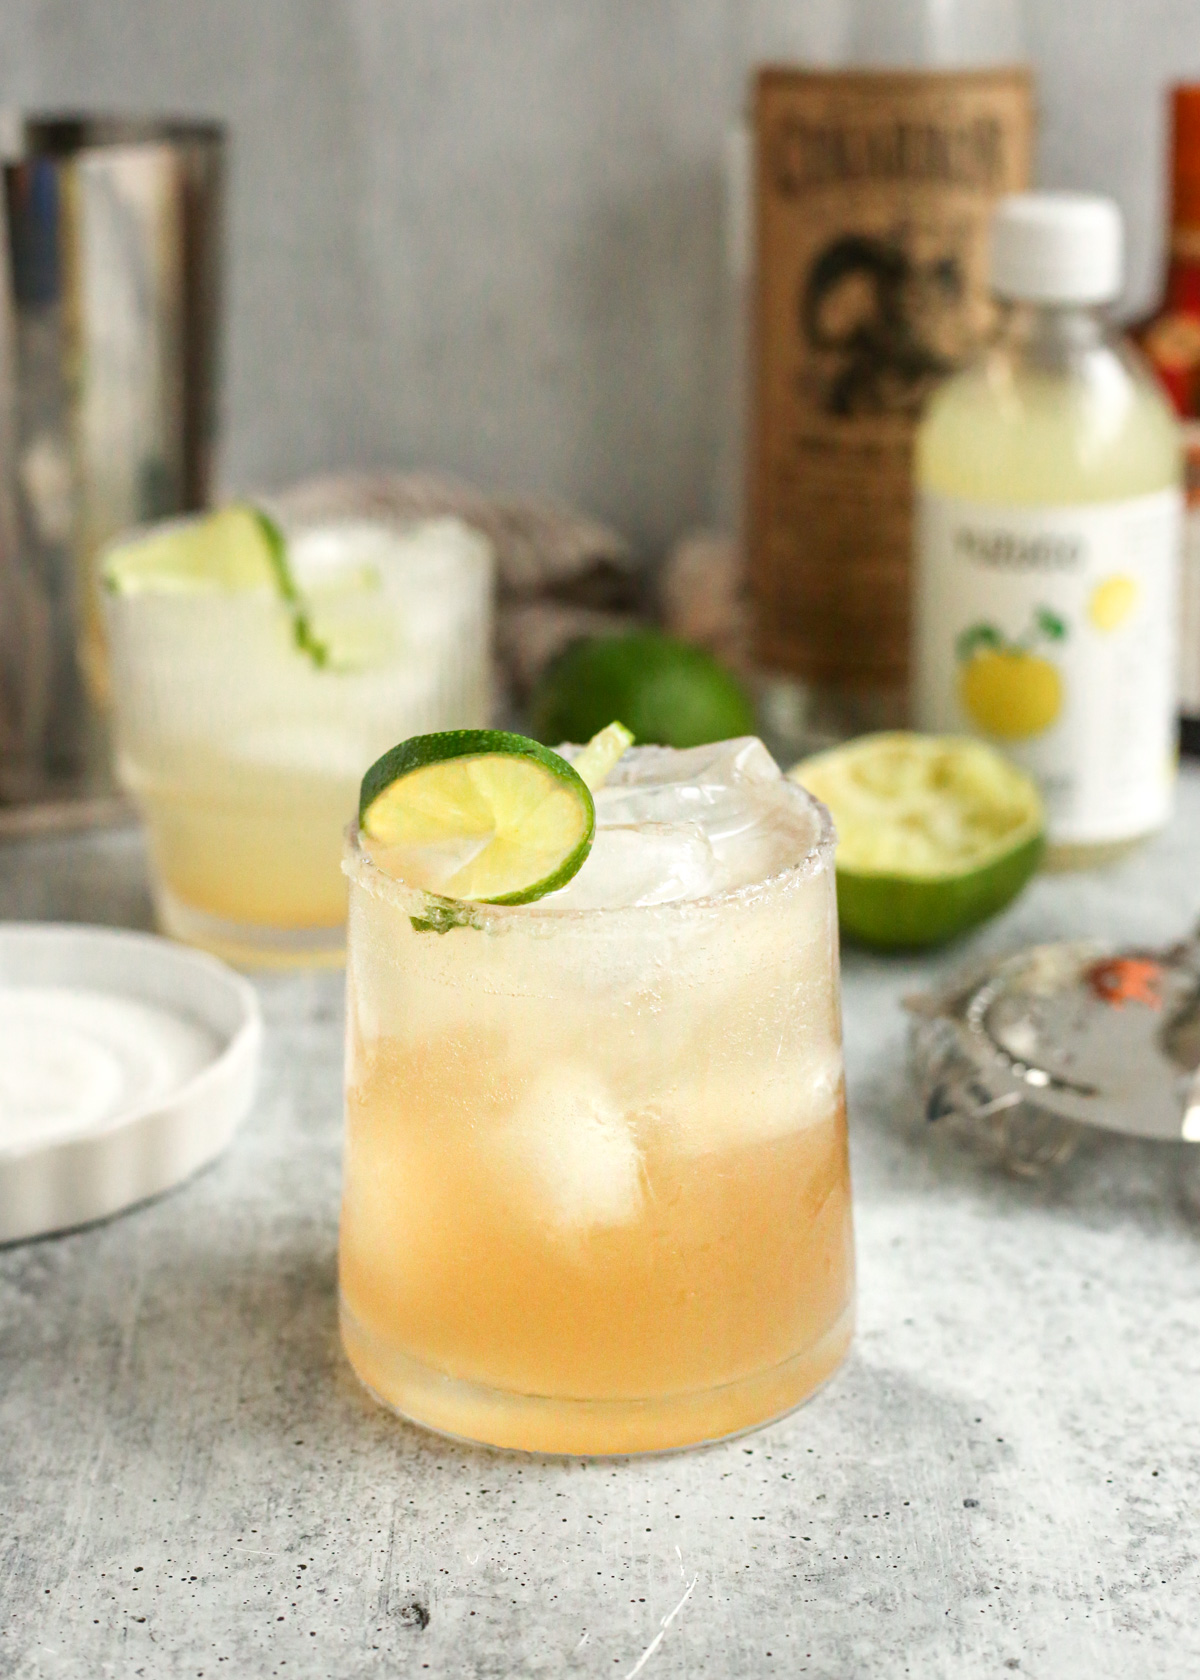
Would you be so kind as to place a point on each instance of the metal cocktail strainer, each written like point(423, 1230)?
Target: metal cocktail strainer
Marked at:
point(1027, 1051)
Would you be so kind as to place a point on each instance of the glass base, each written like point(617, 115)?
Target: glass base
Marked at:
point(250, 944)
point(534, 1423)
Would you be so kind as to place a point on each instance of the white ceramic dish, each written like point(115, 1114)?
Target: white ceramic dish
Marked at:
point(126, 1063)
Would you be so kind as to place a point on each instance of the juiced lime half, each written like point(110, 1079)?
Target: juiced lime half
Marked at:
point(238, 548)
point(935, 833)
point(482, 815)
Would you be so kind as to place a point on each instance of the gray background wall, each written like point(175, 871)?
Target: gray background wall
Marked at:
point(486, 235)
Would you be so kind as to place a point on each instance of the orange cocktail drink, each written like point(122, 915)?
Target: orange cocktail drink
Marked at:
point(597, 1195)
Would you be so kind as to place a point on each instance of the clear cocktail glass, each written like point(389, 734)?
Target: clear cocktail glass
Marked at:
point(243, 728)
point(596, 1191)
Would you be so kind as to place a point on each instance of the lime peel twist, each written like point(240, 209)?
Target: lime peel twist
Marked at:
point(602, 754)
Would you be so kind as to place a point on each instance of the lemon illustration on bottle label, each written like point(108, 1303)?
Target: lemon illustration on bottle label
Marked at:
point(1050, 632)
point(1112, 602)
point(1005, 688)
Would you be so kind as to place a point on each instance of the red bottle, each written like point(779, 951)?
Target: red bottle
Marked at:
point(1171, 339)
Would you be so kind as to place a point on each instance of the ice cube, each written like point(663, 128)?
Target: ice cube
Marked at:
point(655, 784)
point(764, 834)
point(652, 863)
point(568, 1155)
point(720, 764)
point(732, 791)
point(347, 554)
point(737, 1105)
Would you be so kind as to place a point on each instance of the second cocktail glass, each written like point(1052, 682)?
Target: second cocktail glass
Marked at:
point(247, 709)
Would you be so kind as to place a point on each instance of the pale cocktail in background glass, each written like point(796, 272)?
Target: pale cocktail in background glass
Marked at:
point(244, 748)
point(596, 1188)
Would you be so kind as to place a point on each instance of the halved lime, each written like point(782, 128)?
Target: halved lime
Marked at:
point(236, 549)
point(935, 833)
point(477, 814)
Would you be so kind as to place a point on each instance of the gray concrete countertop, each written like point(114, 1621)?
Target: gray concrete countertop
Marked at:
point(1003, 1481)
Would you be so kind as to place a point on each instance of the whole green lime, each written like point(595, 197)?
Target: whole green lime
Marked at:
point(667, 692)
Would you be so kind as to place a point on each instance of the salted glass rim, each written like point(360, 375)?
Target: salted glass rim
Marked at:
point(816, 858)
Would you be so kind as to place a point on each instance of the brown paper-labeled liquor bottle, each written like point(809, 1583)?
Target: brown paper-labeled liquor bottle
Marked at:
point(873, 188)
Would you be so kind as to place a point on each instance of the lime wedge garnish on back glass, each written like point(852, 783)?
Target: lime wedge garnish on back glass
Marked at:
point(478, 814)
point(228, 551)
point(239, 548)
point(935, 833)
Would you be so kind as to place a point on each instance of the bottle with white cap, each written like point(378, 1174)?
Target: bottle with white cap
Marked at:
point(1048, 536)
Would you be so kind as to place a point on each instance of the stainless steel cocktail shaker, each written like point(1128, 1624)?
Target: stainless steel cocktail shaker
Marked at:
point(109, 303)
